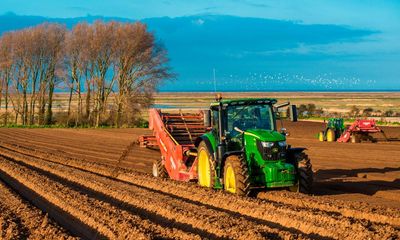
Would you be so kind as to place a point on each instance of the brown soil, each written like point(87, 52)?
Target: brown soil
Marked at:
point(78, 175)
point(367, 172)
point(21, 220)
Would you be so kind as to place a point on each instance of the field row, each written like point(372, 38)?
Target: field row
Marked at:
point(125, 203)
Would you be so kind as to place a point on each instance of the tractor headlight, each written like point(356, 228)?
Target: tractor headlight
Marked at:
point(282, 144)
point(267, 144)
point(272, 151)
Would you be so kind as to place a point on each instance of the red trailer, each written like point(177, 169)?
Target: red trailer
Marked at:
point(174, 134)
point(360, 130)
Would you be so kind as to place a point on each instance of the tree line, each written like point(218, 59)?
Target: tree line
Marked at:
point(109, 72)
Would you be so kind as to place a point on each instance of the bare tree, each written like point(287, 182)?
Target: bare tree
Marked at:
point(77, 58)
point(101, 43)
point(140, 66)
point(90, 59)
point(5, 70)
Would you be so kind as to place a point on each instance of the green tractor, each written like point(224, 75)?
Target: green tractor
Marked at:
point(244, 151)
point(334, 129)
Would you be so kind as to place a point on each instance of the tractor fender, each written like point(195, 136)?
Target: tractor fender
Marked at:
point(226, 155)
point(208, 144)
point(292, 152)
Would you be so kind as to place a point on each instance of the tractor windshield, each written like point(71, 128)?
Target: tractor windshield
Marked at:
point(245, 117)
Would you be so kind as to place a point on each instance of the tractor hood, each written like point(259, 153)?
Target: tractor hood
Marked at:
point(265, 135)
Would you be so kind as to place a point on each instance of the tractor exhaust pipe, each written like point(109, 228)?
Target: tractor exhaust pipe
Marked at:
point(221, 142)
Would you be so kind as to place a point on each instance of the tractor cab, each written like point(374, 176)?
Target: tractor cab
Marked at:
point(241, 116)
point(244, 150)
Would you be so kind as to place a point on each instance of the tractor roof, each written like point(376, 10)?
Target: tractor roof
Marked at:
point(244, 101)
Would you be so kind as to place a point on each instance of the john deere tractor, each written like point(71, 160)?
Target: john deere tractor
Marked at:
point(244, 151)
point(334, 129)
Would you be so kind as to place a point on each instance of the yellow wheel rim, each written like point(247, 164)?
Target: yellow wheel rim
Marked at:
point(321, 136)
point(204, 169)
point(230, 183)
point(330, 136)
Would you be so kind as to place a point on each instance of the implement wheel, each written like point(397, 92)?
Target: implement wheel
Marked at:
point(159, 169)
point(205, 166)
point(355, 138)
point(321, 136)
point(236, 176)
point(304, 175)
point(330, 135)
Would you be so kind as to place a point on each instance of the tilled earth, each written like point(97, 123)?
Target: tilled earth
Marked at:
point(65, 184)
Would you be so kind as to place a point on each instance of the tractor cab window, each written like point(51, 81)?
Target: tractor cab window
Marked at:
point(247, 117)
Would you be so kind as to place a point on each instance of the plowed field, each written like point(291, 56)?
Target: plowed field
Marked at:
point(64, 183)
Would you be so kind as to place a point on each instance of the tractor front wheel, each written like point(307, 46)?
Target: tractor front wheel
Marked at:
point(205, 166)
point(330, 135)
point(321, 136)
point(159, 169)
point(236, 176)
point(304, 175)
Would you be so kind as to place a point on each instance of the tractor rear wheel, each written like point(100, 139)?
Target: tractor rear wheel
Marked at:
point(321, 136)
point(236, 176)
point(330, 135)
point(205, 166)
point(304, 174)
point(159, 169)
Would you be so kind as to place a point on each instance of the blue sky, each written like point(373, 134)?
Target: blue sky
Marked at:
point(373, 59)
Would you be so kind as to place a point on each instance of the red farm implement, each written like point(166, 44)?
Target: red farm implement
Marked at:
point(175, 134)
point(360, 130)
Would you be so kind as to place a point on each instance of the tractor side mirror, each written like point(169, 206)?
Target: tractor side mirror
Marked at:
point(284, 132)
point(293, 113)
point(207, 118)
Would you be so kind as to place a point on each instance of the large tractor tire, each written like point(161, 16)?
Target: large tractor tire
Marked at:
point(304, 173)
point(205, 166)
point(330, 135)
point(159, 169)
point(321, 136)
point(236, 176)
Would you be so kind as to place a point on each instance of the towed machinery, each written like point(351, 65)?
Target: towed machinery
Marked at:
point(358, 131)
point(233, 146)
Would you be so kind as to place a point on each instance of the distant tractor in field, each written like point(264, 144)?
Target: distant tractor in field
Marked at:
point(334, 129)
point(358, 131)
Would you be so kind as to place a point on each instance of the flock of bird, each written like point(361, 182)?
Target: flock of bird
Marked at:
point(284, 81)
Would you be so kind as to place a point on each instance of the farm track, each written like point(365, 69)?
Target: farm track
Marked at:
point(206, 213)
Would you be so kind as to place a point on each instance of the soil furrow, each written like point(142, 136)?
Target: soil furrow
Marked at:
point(112, 146)
point(96, 155)
point(24, 220)
point(356, 210)
point(104, 219)
point(213, 222)
point(379, 215)
point(321, 223)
